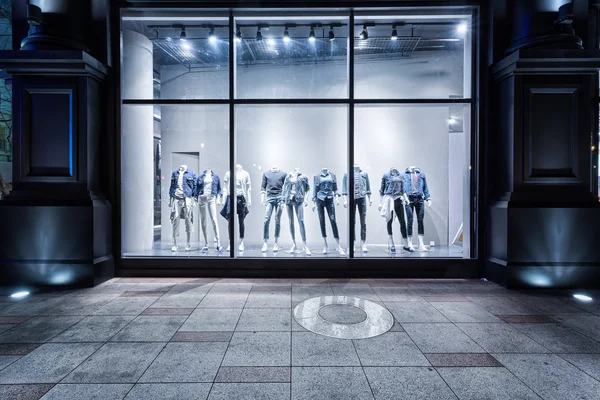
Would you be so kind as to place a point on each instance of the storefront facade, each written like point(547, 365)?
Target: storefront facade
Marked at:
point(365, 140)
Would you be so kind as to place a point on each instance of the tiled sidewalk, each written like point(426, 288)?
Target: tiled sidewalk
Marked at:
point(236, 339)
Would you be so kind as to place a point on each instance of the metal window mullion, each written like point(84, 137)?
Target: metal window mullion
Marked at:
point(232, 203)
point(350, 183)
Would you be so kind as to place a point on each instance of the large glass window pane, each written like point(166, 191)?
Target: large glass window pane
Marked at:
point(295, 57)
point(413, 56)
point(184, 57)
point(173, 162)
point(292, 147)
point(413, 154)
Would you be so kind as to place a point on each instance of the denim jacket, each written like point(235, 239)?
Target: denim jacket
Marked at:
point(325, 188)
point(364, 185)
point(421, 184)
point(302, 188)
point(389, 187)
point(215, 190)
point(189, 183)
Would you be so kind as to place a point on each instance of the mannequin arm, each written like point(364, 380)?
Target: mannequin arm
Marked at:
point(262, 198)
point(249, 202)
point(171, 199)
point(345, 201)
point(369, 198)
point(337, 199)
point(428, 202)
point(380, 206)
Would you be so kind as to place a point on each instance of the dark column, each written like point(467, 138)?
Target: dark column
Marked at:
point(543, 215)
point(57, 222)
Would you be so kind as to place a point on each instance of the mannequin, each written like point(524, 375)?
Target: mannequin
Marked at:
point(243, 193)
point(181, 202)
point(362, 195)
point(271, 194)
point(295, 196)
point(415, 185)
point(392, 202)
point(325, 197)
point(209, 196)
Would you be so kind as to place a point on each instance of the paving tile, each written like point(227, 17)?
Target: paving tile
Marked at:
point(48, 364)
point(93, 329)
point(437, 299)
point(550, 376)
point(224, 295)
point(23, 392)
point(261, 349)
point(254, 375)
point(217, 320)
point(296, 327)
point(265, 319)
point(183, 296)
point(88, 391)
point(558, 338)
point(386, 294)
point(500, 338)
point(414, 311)
point(5, 361)
point(272, 299)
point(5, 327)
point(588, 363)
point(390, 349)
point(39, 329)
point(257, 391)
point(17, 349)
point(486, 383)
point(502, 305)
point(150, 329)
point(465, 312)
point(271, 288)
point(547, 305)
point(191, 336)
point(304, 292)
point(360, 291)
point(168, 311)
point(410, 383)
point(80, 305)
point(310, 349)
point(462, 360)
point(441, 338)
point(116, 363)
point(315, 383)
point(397, 327)
point(30, 308)
point(588, 325)
point(186, 362)
point(143, 293)
point(125, 306)
point(13, 320)
point(169, 391)
point(526, 319)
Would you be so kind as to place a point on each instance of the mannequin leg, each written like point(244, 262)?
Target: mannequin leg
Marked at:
point(409, 222)
point(175, 217)
point(189, 222)
point(321, 213)
point(331, 213)
point(300, 215)
point(278, 212)
point(290, 213)
point(212, 211)
point(202, 210)
point(241, 206)
point(420, 209)
point(400, 211)
point(391, 245)
point(266, 223)
point(362, 213)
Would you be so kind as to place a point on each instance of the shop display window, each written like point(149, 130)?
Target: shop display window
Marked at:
point(324, 122)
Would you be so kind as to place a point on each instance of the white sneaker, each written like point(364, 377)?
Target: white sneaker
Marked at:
point(341, 251)
point(365, 249)
point(188, 247)
point(423, 248)
point(216, 244)
point(293, 248)
point(241, 247)
point(326, 250)
point(307, 251)
point(264, 248)
point(205, 249)
point(228, 248)
point(275, 248)
point(174, 248)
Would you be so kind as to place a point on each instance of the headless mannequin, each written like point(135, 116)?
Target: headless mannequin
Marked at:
point(363, 245)
point(263, 202)
point(420, 237)
point(404, 198)
point(294, 174)
point(207, 187)
point(182, 170)
point(325, 173)
point(240, 186)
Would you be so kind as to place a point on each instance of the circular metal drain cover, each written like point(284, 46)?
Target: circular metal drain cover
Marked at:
point(343, 317)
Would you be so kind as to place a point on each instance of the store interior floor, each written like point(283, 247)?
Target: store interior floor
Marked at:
point(175, 338)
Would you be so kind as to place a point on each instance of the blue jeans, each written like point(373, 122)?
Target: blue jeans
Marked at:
point(273, 204)
point(328, 205)
point(416, 205)
point(299, 207)
point(399, 212)
point(361, 207)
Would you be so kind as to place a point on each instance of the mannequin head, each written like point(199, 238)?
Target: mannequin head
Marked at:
point(356, 167)
point(394, 171)
point(238, 167)
point(324, 171)
point(295, 171)
point(183, 167)
point(275, 168)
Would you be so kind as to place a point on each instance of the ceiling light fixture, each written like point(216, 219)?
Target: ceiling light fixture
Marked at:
point(582, 297)
point(238, 35)
point(286, 35)
point(212, 38)
point(311, 35)
point(271, 42)
point(451, 121)
point(364, 34)
point(331, 34)
point(461, 29)
point(182, 35)
point(394, 33)
point(258, 34)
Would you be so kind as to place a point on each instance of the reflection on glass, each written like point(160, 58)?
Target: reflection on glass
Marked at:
point(296, 157)
point(172, 180)
point(417, 158)
point(292, 58)
point(418, 56)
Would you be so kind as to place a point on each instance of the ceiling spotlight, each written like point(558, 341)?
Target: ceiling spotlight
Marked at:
point(186, 45)
point(364, 34)
point(211, 36)
point(331, 34)
point(238, 35)
point(311, 35)
point(18, 295)
point(582, 297)
point(182, 35)
point(461, 29)
point(286, 35)
point(394, 33)
point(271, 42)
point(451, 121)
point(258, 34)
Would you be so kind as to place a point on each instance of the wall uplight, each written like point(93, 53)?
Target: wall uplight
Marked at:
point(19, 295)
